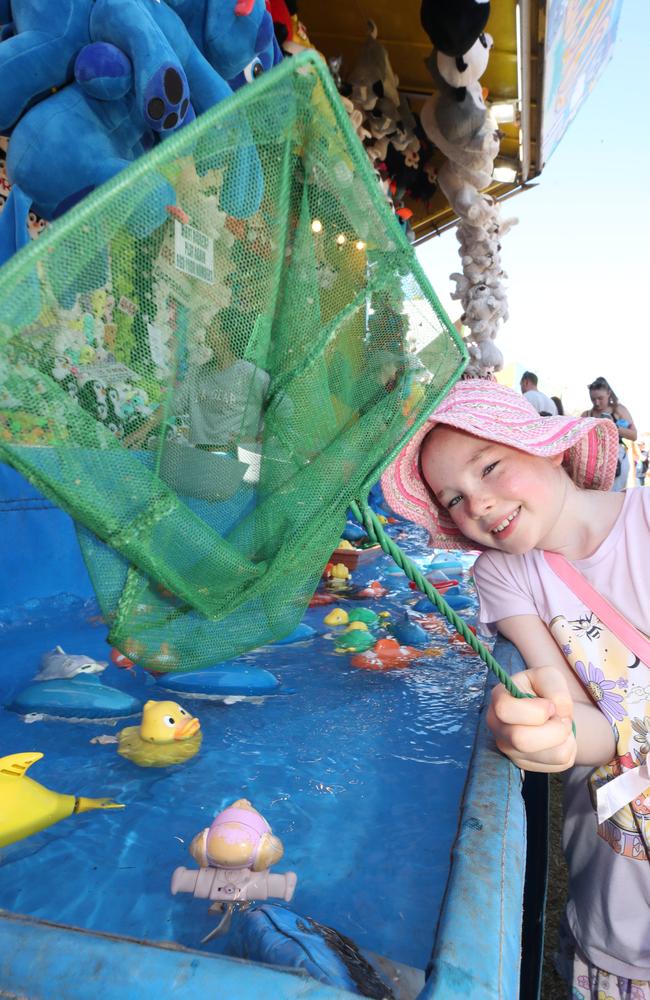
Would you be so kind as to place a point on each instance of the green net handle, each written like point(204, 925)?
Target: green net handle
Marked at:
point(376, 533)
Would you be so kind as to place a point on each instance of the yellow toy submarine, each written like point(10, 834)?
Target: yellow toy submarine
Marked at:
point(167, 735)
point(27, 807)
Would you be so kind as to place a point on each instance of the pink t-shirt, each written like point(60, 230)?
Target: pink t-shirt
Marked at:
point(619, 569)
point(609, 863)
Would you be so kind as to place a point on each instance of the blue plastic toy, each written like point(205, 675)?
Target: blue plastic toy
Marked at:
point(80, 697)
point(225, 680)
point(300, 633)
point(409, 633)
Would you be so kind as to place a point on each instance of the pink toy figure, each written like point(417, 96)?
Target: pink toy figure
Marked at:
point(235, 853)
point(239, 837)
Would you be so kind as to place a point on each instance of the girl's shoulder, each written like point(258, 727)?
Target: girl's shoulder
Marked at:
point(505, 566)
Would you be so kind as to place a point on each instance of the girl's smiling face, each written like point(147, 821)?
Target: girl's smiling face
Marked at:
point(498, 496)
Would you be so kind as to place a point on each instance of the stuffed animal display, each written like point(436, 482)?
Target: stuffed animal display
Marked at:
point(107, 80)
point(459, 123)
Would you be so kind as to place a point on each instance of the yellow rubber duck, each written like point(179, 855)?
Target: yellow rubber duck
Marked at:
point(337, 616)
point(167, 734)
point(357, 627)
point(28, 807)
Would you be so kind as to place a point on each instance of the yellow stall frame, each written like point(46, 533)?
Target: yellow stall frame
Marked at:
point(546, 58)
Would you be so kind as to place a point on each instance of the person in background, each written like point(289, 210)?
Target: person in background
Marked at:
point(542, 403)
point(605, 403)
point(640, 452)
point(558, 405)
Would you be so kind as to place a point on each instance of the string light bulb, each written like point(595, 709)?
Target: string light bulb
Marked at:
point(317, 226)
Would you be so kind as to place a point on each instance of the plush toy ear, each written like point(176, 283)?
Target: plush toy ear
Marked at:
point(13, 223)
point(454, 25)
point(103, 71)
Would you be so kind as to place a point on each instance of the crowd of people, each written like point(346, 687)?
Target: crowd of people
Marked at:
point(606, 404)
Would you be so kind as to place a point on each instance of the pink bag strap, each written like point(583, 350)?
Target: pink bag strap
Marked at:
point(620, 626)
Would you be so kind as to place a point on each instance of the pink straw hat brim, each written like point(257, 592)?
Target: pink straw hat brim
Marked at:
point(492, 411)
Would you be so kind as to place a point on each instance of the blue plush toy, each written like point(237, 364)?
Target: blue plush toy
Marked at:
point(236, 36)
point(39, 56)
point(169, 59)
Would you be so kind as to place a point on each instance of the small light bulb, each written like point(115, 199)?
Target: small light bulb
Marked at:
point(360, 245)
point(317, 226)
point(340, 239)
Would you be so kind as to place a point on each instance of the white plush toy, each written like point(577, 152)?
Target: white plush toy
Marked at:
point(461, 71)
point(458, 122)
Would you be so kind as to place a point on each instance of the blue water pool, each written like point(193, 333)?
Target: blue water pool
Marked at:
point(363, 775)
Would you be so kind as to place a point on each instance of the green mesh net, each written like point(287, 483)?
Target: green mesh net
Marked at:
point(210, 357)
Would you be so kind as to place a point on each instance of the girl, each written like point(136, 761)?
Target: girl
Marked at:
point(487, 472)
point(605, 403)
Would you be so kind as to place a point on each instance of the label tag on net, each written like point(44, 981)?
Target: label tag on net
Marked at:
point(193, 252)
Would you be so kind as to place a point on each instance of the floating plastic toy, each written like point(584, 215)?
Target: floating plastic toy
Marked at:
point(235, 853)
point(339, 571)
point(409, 633)
point(448, 564)
point(337, 616)
point(82, 697)
point(374, 589)
point(456, 601)
point(166, 735)
point(366, 615)
point(317, 600)
point(121, 661)
point(299, 634)
point(224, 681)
point(57, 664)
point(386, 654)
point(353, 532)
point(28, 807)
point(354, 642)
point(68, 686)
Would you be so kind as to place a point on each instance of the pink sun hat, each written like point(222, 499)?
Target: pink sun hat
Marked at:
point(489, 410)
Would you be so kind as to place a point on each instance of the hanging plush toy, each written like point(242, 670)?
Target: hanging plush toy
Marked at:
point(454, 25)
point(458, 122)
point(95, 126)
point(461, 127)
point(460, 71)
point(39, 57)
point(290, 32)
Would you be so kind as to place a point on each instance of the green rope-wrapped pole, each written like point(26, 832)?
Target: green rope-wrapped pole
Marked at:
point(376, 533)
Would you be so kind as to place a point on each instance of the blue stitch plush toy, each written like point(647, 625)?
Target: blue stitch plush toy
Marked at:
point(142, 68)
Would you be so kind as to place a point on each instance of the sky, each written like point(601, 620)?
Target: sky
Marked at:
point(578, 262)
